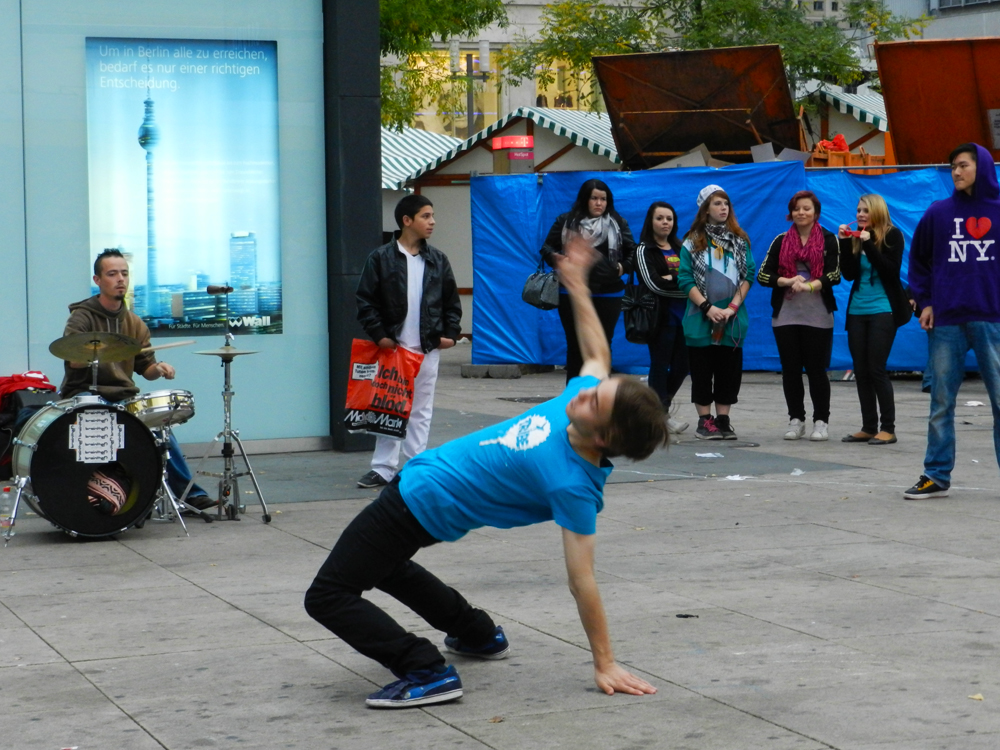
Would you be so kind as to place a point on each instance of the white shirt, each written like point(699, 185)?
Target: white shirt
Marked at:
point(409, 335)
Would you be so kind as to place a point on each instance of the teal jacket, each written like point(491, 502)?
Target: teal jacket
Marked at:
point(697, 329)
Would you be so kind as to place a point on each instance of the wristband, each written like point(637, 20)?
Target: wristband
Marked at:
point(733, 306)
point(705, 306)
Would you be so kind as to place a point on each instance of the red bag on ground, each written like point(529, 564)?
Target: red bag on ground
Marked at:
point(380, 388)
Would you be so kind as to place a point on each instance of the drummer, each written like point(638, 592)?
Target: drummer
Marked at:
point(106, 312)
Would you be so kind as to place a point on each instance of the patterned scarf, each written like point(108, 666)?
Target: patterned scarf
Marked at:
point(793, 251)
point(722, 241)
point(596, 231)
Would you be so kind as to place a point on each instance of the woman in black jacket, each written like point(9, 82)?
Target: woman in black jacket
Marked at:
point(593, 215)
point(871, 258)
point(657, 260)
point(802, 267)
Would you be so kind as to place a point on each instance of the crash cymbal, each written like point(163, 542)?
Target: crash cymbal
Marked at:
point(95, 345)
point(226, 352)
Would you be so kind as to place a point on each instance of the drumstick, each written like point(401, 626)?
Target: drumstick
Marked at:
point(171, 345)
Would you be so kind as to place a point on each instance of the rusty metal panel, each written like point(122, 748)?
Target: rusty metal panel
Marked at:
point(938, 94)
point(663, 104)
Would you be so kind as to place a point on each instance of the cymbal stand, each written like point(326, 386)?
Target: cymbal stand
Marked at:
point(229, 494)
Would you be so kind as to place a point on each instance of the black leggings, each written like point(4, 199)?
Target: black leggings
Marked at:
point(608, 310)
point(374, 552)
point(870, 337)
point(668, 361)
point(716, 374)
point(805, 347)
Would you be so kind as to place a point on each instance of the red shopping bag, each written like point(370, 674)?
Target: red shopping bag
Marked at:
point(380, 388)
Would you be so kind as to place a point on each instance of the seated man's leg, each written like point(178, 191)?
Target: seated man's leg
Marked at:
point(946, 360)
point(178, 472)
point(376, 546)
point(986, 344)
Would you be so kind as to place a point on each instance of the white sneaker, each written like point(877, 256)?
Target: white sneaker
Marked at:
point(676, 426)
point(819, 431)
point(796, 429)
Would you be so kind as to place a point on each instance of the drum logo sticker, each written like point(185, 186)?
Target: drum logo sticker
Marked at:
point(96, 437)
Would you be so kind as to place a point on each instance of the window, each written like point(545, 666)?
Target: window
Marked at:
point(834, 7)
point(818, 5)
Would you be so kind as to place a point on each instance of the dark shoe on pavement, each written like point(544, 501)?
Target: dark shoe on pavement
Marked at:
point(372, 479)
point(724, 426)
point(707, 429)
point(419, 688)
point(498, 647)
point(857, 437)
point(925, 488)
point(200, 502)
point(883, 438)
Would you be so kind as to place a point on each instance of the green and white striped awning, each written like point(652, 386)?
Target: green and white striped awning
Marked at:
point(591, 130)
point(406, 151)
point(869, 108)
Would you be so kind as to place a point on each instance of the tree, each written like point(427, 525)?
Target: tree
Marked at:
point(407, 29)
point(823, 51)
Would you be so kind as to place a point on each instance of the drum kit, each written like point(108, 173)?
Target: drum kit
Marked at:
point(95, 468)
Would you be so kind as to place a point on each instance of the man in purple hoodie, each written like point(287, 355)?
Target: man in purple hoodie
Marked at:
point(955, 280)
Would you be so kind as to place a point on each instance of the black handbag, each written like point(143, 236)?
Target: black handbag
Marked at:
point(640, 310)
point(541, 290)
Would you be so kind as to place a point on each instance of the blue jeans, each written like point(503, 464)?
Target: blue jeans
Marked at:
point(668, 362)
point(946, 361)
point(178, 472)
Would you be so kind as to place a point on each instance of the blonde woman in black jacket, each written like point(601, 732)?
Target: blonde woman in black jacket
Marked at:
point(658, 261)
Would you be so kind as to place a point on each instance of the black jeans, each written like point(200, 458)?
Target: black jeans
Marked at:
point(805, 347)
point(870, 337)
point(716, 374)
point(374, 552)
point(608, 310)
point(668, 362)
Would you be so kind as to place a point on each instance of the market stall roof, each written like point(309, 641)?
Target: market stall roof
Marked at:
point(664, 104)
point(409, 149)
point(591, 130)
point(940, 93)
point(867, 108)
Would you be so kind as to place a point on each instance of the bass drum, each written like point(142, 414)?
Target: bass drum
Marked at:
point(76, 452)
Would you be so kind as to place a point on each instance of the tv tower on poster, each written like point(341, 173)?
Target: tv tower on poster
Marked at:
point(149, 136)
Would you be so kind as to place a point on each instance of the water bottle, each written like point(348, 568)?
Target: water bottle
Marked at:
point(6, 508)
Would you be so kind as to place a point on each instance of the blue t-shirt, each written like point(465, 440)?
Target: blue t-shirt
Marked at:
point(870, 297)
point(516, 473)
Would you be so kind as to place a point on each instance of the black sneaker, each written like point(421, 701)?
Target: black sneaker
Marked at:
point(418, 688)
point(372, 479)
point(707, 429)
point(723, 425)
point(924, 488)
point(498, 647)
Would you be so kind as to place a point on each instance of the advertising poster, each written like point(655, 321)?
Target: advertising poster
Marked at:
point(182, 140)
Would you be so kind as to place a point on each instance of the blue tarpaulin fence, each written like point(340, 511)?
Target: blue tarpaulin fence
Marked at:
point(511, 215)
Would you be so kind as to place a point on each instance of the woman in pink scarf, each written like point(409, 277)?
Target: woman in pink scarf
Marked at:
point(801, 267)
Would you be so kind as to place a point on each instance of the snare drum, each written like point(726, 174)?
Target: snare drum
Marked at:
point(62, 446)
point(161, 408)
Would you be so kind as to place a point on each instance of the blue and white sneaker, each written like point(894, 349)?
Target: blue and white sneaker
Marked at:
point(498, 647)
point(419, 688)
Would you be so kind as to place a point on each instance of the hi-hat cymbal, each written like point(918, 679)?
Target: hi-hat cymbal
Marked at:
point(95, 345)
point(227, 352)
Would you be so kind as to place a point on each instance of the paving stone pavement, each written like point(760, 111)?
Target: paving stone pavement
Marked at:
point(821, 609)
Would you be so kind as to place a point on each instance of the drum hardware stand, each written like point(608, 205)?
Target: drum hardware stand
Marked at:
point(167, 506)
point(229, 494)
point(19, 483)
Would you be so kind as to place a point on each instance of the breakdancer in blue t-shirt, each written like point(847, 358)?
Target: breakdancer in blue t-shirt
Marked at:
point(550, 463)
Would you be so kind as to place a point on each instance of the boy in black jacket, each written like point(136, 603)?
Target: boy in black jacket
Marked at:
point(407, 297)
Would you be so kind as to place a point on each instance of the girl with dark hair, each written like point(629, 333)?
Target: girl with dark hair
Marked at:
point(716, 272)
point(802, 266)
point(593, 215)
point(658, 262)
point(877, 305)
